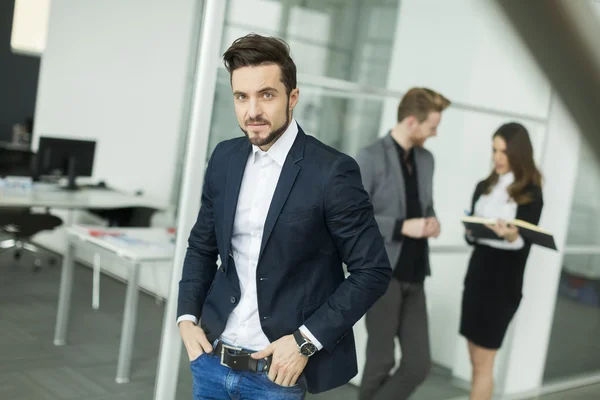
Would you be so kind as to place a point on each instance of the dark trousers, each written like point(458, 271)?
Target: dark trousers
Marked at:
point(401, 312)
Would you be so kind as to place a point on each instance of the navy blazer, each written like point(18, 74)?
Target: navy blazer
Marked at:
point(320, 217)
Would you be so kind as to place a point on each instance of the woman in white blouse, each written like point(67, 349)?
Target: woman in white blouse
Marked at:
point(494, 280)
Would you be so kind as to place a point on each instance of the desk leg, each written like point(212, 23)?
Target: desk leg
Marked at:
point(96, 282)
point(64, 296)
point(128, 328)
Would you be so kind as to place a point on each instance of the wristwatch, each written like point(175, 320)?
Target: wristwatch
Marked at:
point(305, 346)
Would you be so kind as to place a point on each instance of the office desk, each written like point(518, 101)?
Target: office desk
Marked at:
point(138, 245)
point(85, 198)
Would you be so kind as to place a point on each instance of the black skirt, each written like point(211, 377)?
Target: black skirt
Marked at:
point(492, 294)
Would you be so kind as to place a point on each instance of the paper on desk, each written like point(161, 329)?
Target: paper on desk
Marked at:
point(131, 241)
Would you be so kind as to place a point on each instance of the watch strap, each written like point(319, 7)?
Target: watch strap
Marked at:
point(300, 340)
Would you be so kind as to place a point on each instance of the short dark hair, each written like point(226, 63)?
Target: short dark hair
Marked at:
point(420, 102)
point(254, 49)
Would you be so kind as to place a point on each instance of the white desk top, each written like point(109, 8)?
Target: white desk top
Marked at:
point(54, 197)
point(136, 244)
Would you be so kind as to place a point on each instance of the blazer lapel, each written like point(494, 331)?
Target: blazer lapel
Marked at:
point(235, 173)
point(289, 172)
point(392, 154)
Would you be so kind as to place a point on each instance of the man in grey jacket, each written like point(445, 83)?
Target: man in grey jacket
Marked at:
point(397, 173)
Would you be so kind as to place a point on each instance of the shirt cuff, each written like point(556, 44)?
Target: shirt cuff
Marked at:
point(310, 337)
point(187, 317)
point(398, 236)
point(517, 244)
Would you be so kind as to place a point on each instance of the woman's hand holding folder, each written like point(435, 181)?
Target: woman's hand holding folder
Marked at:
point(504, 230)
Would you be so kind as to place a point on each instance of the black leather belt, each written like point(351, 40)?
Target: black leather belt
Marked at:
point(239, 359)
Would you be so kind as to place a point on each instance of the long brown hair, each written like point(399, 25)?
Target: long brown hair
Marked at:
point(520, 157)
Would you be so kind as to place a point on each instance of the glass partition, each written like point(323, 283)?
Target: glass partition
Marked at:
point(574, 348)
point(344, 39)
point(343, 120)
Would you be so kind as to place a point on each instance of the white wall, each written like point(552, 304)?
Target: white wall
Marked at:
point(467, 51)
point(118, 72)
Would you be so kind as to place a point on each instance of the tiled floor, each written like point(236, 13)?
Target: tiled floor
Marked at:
point(32, 368)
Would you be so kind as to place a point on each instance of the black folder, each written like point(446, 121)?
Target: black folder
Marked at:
point(530, 232)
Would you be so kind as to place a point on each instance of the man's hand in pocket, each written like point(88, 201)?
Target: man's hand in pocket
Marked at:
point(194, 339)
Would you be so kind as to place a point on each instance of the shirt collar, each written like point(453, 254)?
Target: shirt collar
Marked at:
point(506, 179)
point(280, 149)
point(404, 154)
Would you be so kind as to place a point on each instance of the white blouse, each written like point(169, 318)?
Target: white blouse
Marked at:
point(498, 205)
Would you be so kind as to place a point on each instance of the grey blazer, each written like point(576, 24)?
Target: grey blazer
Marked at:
point(383, 180)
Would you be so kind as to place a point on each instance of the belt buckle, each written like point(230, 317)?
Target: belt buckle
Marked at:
point(223, 347)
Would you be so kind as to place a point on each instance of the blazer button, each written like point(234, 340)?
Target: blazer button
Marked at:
point(233, 299)
point(222, 269)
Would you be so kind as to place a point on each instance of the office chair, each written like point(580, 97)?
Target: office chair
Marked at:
point(19, 225)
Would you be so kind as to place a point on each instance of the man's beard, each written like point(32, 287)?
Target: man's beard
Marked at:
point(271, 137)
point(419, 142)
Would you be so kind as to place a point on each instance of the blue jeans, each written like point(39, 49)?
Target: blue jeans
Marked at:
point(216, 382)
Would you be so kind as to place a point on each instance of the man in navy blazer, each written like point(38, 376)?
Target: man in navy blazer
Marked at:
point(284, 212)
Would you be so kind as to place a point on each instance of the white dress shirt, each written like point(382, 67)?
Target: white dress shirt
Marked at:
point(260, 179)
point(498, 205)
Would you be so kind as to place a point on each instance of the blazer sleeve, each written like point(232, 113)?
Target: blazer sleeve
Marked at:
point(476, 194)
point(532, 211)
point(350, 221)
point(200, 263)
point(388, 225)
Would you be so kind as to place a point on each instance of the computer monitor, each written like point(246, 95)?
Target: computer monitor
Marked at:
point(64, 158)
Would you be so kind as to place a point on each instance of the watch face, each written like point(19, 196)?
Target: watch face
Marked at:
point(308, 349)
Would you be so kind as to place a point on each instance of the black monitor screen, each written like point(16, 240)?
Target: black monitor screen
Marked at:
point(64, 157)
